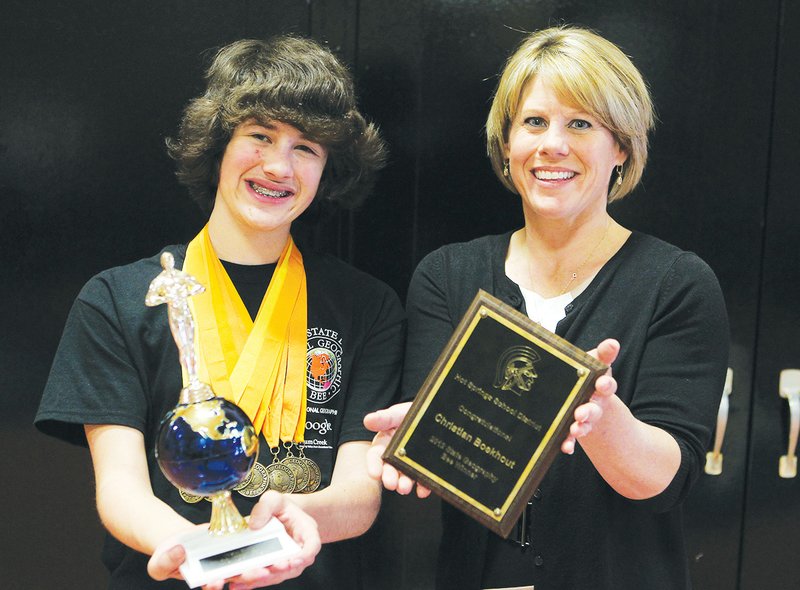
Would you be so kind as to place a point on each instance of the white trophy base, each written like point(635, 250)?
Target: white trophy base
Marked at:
point(210, 557)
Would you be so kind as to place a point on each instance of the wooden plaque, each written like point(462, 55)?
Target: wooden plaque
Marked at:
point(492, 414)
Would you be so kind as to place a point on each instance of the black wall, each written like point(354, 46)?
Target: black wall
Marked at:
point(89, 91)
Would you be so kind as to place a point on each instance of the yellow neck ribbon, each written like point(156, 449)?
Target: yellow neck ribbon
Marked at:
point(261, 365)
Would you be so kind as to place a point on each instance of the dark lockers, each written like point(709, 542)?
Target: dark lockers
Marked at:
point(89, 90)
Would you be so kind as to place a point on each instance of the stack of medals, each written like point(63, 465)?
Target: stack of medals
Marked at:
point(279, 419)
point(290, 475)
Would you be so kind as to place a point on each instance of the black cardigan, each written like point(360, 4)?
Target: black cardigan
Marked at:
point(665, 307)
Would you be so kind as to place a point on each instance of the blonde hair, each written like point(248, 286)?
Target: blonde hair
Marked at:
point(585, 71)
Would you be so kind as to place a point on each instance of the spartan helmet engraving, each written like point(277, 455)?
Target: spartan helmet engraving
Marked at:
point(515, 370)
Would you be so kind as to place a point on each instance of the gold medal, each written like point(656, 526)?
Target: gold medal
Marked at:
point(246, 481)
point(315, 477)
point(189, 498)
point(256, 483)
point(281, 477)
point(302, 474)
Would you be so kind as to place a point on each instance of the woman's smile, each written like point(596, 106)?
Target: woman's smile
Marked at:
point(553, 175)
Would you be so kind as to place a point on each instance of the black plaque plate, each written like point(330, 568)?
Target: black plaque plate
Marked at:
point(492, 414)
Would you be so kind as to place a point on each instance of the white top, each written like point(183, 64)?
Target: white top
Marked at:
point(546, 312)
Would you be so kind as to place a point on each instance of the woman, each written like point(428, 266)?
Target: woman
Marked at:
point(276, 130)
point(567, 131)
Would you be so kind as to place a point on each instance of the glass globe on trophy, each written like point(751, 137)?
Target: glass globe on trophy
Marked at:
point(206, 446)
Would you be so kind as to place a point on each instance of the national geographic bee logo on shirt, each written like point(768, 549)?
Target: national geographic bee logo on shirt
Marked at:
point(323, 365)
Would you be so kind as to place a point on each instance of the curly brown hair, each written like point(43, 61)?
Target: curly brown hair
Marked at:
point(289, 79)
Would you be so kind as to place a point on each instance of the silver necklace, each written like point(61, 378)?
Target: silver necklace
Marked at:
point(591, 253)
point(575, 273)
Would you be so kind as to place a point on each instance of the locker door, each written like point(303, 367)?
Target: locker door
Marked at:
point(771, 543)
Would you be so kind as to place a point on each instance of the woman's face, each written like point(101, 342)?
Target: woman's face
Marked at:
point(560, 158)
point(268, 176)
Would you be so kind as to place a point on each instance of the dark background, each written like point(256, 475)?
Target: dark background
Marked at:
point(89, 91)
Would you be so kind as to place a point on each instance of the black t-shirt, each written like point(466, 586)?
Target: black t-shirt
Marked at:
point(251, 282)
point(117, 363)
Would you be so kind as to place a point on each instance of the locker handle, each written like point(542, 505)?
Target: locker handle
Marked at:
point(714, 458)
point(789, 389)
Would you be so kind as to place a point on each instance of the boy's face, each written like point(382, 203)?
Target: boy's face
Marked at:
point(268, 176)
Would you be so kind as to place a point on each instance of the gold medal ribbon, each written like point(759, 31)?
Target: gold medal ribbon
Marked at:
point(259, 365)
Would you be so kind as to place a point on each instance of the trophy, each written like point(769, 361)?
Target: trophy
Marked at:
point(207, 446)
